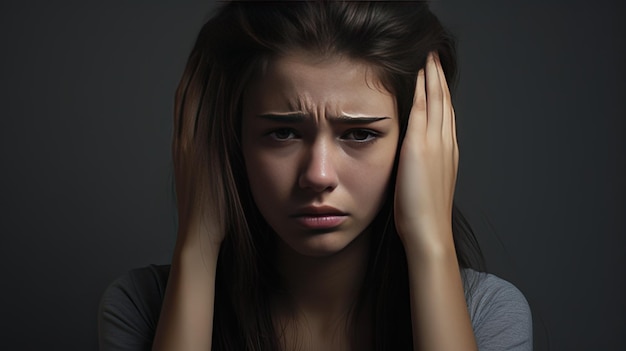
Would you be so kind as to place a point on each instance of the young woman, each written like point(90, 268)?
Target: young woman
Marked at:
point(315, 159)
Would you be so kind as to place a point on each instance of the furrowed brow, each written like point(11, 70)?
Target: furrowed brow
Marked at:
point(298, 117)
point(358, 120)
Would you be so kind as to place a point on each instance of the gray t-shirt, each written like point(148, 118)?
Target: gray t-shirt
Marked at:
point(129, 311)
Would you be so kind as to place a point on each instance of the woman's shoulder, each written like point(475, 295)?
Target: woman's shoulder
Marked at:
point(500, 314)
point(130, 307)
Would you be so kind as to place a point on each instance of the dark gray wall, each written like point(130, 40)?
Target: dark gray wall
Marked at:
point(86, 96)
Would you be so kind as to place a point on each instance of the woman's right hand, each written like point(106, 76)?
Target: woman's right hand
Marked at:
point(201, 215)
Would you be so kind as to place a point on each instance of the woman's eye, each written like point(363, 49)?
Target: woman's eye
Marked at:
point(361, 135)
point(283, 134)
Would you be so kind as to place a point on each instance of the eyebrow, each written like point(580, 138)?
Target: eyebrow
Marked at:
point(298, 117)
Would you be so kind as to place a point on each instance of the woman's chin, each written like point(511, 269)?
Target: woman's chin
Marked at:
point(322, 244)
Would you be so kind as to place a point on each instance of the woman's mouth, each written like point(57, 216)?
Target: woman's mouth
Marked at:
point(323, 221)
point(320, 217)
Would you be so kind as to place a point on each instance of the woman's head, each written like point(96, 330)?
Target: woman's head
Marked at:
point(238, 45)
point(233, 80)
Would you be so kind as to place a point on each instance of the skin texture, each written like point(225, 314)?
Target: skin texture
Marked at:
point(299, 162)
point(310, 157)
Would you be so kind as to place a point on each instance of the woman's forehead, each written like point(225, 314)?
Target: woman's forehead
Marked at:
point(309, 83)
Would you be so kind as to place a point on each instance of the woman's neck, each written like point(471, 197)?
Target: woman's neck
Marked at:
point(322, 291)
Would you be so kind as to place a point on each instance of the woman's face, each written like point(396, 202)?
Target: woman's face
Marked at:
point(319, 138)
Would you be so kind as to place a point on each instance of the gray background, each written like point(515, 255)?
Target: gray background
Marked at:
point(86, 93)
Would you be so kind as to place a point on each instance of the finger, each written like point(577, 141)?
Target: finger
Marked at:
point(449, 117)
point(448, 111)
point(434, 96)
point(417, 117)
point(455, 141)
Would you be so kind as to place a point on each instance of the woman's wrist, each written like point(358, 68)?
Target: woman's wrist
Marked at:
point(192, 241)
point(429, 244)
point(195, 257)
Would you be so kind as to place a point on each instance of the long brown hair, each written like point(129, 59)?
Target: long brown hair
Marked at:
point(233, 46)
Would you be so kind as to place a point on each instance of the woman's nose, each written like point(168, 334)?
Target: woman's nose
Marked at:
point(318, 172)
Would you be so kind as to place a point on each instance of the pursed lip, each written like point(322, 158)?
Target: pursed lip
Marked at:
point(320, 217)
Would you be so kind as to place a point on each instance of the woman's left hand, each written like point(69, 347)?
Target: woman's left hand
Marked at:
point(428, 165)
